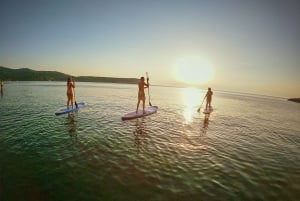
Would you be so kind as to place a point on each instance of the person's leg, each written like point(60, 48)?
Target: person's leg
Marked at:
point(137, 106)
point(144, 106)
point(209, 103)
point(71, 99)
point(68, 101)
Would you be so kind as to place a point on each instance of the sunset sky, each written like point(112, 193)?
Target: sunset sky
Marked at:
point(235, 45)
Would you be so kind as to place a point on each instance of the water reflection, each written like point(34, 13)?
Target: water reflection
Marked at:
point(72, 125)
point(205, 124)
point(139, 133)
point(190, 100)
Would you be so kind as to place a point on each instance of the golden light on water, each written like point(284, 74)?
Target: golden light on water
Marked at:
point(193, 70)
point(191, 101)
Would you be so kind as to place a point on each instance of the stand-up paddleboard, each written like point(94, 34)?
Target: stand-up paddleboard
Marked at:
point(133, 115)
point(208, 110)
point(70, 109)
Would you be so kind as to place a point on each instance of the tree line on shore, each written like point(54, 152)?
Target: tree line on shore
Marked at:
point(26, 74)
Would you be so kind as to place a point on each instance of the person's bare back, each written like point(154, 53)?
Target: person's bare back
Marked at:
point(141, 93)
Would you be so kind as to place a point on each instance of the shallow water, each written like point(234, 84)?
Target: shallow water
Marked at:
point(247, 149)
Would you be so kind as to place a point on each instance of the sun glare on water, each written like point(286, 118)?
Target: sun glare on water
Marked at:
point(191, 101)
point(193, 71)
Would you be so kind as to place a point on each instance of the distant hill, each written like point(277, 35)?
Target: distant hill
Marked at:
point(297, 100)
point(107, 79)
point(26, 74)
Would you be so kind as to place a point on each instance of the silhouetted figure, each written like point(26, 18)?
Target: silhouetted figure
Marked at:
point(70, 87)
point(208, 96)
point(141, 94)
point(1, 85)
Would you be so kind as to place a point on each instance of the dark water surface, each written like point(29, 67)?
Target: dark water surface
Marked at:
point(247, 149)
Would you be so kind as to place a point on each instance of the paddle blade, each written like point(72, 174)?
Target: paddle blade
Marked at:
point(76, 104)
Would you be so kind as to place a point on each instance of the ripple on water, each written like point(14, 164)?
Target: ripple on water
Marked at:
point(232, 155)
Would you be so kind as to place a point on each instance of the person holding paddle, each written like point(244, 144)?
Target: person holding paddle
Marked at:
point(1, 84)
point(141, 94)
point(70, 88)
point(208, 96)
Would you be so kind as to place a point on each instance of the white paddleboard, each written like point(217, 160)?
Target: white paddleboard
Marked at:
point(133, 115)
point(208, 110)
point(70, 109)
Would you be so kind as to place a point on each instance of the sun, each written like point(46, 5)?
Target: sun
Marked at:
point(193, 70)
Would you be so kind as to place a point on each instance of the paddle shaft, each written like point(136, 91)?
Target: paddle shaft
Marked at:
point(148, 88)
point(201, 104)
point(76, 105)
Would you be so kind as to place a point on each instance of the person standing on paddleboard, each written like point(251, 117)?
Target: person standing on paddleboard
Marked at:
point(208, 96)
point(141, 94)
point(70, 87)
point(1, 84)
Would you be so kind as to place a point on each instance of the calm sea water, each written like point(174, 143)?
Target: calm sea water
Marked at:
point(247, 149)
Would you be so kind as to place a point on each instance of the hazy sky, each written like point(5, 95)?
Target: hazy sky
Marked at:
point(250, 46)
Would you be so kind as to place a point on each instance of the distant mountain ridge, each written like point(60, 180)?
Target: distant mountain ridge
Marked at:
point(26, 74)
point(297, 100)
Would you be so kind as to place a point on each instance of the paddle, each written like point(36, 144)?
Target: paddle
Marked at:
point(148, 88)
point(74, 95)
point(201, 104)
